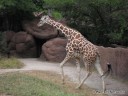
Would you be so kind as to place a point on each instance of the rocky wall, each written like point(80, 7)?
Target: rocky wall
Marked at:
point(118, 58)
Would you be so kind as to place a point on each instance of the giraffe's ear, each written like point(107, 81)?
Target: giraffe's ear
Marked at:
point(51, 17)
point(48, 16)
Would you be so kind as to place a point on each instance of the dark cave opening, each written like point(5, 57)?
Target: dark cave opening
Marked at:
point(39, 44)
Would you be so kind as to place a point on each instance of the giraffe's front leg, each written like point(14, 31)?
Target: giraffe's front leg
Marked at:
point(78, 68)
point(61, 66)
point(68, 56)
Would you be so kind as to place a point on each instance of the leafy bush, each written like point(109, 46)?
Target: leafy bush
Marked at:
point(13, 12)
point(96, 19)
point(57, 15)
point(3, 43)
point(10, 63)
point(12, 5)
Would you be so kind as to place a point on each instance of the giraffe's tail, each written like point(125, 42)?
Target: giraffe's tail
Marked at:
point(109, 70)
point(100, 70)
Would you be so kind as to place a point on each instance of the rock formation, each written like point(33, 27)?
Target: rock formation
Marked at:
point(44, 32)
point(54, 49)
point(22, 45)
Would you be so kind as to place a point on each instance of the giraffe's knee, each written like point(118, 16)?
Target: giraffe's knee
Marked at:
point(61, 65)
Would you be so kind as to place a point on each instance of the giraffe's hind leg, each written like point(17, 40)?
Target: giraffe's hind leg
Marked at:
point(87, 75)
point(100, 71)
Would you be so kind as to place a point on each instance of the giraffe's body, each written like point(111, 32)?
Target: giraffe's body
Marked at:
point(77, 47)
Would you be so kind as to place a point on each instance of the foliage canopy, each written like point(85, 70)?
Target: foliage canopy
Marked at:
point(103, 22)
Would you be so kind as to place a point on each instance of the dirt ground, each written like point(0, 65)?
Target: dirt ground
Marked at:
point(113, 87)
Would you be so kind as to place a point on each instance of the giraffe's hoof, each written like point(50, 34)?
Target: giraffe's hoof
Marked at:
point(62, 83)
point(104, 91)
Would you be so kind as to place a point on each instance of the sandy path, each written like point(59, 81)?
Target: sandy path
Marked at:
point(114, 87)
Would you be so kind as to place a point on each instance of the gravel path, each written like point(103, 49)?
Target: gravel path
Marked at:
point(114, 87)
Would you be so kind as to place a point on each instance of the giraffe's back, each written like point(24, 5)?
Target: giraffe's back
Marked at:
point(82, 47)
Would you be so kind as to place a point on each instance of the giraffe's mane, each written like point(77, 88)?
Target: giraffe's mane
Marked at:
point(64, 24)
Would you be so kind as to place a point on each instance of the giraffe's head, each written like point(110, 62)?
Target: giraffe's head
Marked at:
point(44, 19)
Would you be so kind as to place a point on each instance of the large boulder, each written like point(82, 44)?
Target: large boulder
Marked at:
point(19, 37)
point(21, 47)
point(22, 44)
point(9, 35)
point(44, 32)
point(54, 49)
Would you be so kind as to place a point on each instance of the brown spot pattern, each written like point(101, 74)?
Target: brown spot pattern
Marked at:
point(77, 44)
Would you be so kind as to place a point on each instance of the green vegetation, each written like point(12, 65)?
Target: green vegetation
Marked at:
point(13, 12)
point(40, 83)
point(8, 63)
point(103, 22)
point(17, 84)
point(3, 43)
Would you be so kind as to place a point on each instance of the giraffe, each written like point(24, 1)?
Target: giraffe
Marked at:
point(77, 47)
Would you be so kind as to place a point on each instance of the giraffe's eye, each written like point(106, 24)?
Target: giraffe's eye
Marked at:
point(40, 23)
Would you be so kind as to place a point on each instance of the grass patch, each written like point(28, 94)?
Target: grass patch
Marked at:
point(38, 83)
point(68, 87)
point(17, 84)
point(8, 63)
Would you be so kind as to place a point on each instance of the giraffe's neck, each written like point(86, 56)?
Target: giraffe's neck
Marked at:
point(64, 29)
